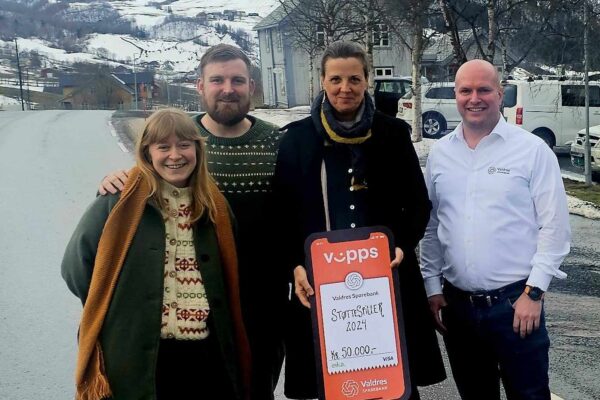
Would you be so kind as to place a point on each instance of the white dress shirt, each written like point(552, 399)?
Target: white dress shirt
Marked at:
point(499, 212)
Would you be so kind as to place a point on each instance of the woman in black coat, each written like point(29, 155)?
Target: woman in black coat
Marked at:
point(371, 176)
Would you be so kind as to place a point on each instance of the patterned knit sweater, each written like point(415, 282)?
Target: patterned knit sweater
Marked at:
point(243, 168)
point(185, 307)
point(243, 164)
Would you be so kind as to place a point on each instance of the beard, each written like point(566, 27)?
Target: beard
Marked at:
point(227, 113)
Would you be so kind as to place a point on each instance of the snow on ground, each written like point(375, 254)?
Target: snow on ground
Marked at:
point(170, 45)
point(520, 74)
point(583, 208)
point(184, 56)
point(31, 88)
point(147, 15)
point(247, 24)
point(5, 69)
point(193, 7)
point(281, 117)
point(144, 15)
point(52, 53)
point(9, 104)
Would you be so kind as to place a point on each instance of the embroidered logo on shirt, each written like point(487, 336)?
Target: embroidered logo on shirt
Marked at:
point(494, 170)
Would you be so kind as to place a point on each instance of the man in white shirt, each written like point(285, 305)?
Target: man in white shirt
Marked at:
point(498, 232)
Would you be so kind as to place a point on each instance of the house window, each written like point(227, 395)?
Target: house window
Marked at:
point(268, 40)
point(279, 41)
point(381, 35)
point(320, 35)
point(270, 86)
point(384, 71)
point(280, 81)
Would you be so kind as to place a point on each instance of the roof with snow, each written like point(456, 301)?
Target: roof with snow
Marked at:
point(277, 15)
point(440, 48)
point(140, 77)
point(82, 80)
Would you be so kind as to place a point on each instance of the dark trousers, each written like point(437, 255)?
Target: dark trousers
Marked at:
point(267, 360)
point(192, 369)
point(482, 347)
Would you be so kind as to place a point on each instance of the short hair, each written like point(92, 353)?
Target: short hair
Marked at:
point(221, 53)
point(159, 127)
point(345, 49)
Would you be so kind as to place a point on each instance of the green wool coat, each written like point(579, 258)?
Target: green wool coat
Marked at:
point(131, 332)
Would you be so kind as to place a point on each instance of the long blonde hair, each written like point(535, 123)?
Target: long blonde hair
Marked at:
point(160, 126)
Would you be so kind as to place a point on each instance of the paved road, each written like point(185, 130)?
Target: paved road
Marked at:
point(51, 162)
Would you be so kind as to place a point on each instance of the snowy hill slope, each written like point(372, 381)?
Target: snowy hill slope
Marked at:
point(168, 32)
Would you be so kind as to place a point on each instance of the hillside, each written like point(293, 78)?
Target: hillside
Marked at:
point(173, 34)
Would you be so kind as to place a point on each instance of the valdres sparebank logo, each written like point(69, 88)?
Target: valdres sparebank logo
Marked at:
point(350, 388)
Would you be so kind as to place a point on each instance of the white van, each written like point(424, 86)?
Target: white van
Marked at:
point(551, 109)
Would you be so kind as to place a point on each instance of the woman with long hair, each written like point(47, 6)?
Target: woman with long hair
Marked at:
point(156, 270)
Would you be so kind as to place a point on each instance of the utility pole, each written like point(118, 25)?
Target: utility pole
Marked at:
point(168, 93)
point(587, 146)
point(135, 83)
point(28, 91)
point(180, 103)
point(134, 70)
point(20, 76)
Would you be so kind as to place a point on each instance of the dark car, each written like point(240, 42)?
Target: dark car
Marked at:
point(388, 90)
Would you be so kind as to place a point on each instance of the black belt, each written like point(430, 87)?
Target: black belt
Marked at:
point(483, 298)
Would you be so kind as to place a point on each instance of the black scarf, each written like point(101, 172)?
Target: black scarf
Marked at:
point(322, 114)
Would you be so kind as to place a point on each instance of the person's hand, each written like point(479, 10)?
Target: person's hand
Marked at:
point(436, 303)
point(399, 256)
point(303, 289)
point(113, 183)
point(527, 315)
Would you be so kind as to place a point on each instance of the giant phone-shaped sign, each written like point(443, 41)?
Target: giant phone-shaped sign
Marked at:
point(358, 327)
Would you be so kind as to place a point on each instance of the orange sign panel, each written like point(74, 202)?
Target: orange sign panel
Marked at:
point(357, 319)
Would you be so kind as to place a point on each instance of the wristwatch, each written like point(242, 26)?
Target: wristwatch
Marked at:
point(534, 293)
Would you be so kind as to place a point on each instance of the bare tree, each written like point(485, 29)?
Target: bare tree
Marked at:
point(312, 25)
point(408, 20)
point(452, 30)
point(495, 23)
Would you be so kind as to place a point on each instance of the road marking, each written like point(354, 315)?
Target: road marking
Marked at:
point(122, 146)
point(555, 397)
point(113, 131)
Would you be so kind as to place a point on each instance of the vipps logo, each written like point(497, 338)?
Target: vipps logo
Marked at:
point(350, 388)
point(351, 256)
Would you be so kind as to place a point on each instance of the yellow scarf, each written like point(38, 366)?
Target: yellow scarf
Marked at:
point(118, 233)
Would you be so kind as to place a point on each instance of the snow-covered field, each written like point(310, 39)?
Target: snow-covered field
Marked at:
point(146, 15)
point(181, 43)
point(8, 103)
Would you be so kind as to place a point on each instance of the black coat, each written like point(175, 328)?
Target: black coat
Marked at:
point(396, 198)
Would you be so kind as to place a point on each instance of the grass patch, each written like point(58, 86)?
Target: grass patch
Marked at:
point(579, 190)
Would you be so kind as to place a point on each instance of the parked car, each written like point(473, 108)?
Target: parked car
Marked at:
point(388, 90)
point(578, 149)
point(438, 108)
point(551, 109)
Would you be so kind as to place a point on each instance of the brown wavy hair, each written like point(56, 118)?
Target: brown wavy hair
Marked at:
point(160, 126)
